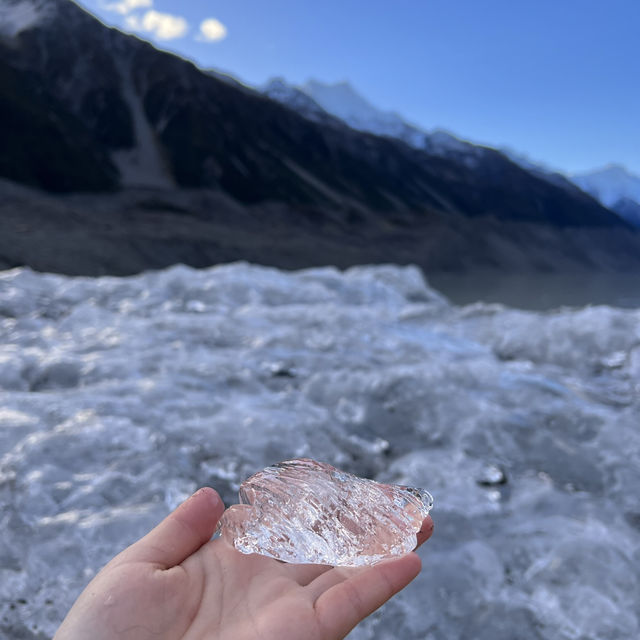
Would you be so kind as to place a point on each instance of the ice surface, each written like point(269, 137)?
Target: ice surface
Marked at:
point(119, 397)
point(304, 511)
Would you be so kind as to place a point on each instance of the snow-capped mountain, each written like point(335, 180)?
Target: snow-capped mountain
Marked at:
point(342, 101)
point(615, 187)
point(610, 184)
point(278, 89)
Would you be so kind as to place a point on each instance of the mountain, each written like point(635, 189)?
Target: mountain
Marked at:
point(540, 170)
point(628, 209)
point(615, 187)
point(86, 108)
point(342, 101)
point(278, 89)
point(318, 100)
point(609, 184)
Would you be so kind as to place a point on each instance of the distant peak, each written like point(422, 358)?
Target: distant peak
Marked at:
point(610, 184)
point(275, 82)
point(343, 87)
point(340, 98)
point(615, 166)
point(328, 85)
point(613, 169)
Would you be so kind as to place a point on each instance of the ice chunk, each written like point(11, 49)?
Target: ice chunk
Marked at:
point(303, 511)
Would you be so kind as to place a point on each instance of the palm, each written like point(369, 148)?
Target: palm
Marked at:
point(264, 598)
point(156, 588)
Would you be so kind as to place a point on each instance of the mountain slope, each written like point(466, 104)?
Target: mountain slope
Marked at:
point(138, 229)
point(344, 102)
point(278, 89)
point(610, 184)
point(616, 188)
point(45, 145)
point(628, 209)
point(318, 101)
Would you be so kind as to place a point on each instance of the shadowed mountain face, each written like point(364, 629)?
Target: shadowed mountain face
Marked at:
point(43, 143)
point(629, 210)
point(615, 187)
point(88, 108)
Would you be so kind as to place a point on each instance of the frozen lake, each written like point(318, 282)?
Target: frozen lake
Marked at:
point(120, 396)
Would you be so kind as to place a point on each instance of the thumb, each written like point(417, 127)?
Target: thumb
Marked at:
point(181, 533)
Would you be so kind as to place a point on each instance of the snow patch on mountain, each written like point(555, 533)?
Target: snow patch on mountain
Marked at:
point(278, 89)
point(314, 100)
point(18, 15)
point(610, 184)
point(443, 143)
point(344, 102)
point(539, 169)
point(143, 165)
point(615, 187)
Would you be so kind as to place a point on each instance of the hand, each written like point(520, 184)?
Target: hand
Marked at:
point(178, 583)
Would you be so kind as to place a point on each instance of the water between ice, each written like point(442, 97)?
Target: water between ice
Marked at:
point(120, 396)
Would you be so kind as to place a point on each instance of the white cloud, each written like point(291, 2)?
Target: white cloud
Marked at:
point(127, 6)
point(212, 30)
point(163, 26)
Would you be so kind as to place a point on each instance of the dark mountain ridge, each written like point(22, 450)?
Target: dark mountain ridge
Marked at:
point(87, 108)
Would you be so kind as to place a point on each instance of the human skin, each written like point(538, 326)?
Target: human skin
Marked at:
point(178, 583)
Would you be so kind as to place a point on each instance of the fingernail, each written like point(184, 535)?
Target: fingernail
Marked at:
point(212, 495)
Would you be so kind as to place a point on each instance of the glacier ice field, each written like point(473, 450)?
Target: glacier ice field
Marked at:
point(120, 396)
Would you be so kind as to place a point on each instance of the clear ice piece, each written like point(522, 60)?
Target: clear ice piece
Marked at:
point(302, 511)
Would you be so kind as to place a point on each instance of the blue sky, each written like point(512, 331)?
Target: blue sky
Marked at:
point(557, 80)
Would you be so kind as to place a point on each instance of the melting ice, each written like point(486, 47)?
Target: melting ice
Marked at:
point(120, 396)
